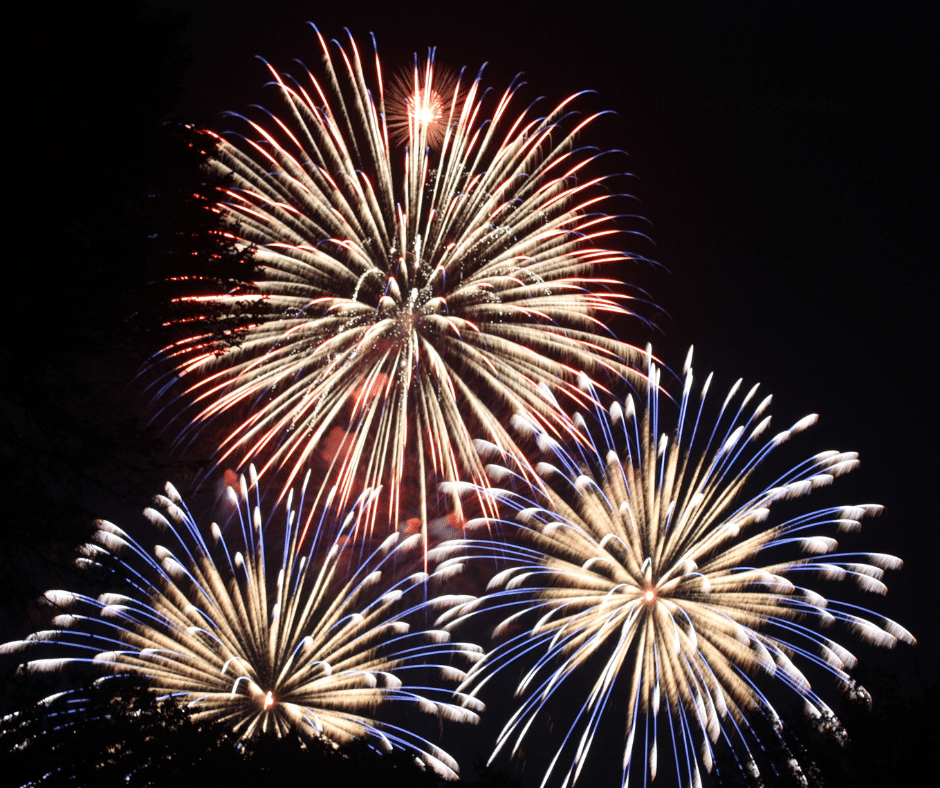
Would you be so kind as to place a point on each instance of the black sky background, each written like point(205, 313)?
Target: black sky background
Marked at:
point(780, 156)
point(783, 160)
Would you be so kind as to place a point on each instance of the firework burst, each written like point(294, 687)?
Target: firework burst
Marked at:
point(653, 582)
point(400, 312)
point(418, 104)
point(262, 645)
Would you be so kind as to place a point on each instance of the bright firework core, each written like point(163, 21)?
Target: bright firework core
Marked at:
point(423, 101)
point(649, 595)
point(425, 107)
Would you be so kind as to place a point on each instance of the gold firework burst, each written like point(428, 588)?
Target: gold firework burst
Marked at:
point(650, 570)
point(265, 645)
point(398, 314)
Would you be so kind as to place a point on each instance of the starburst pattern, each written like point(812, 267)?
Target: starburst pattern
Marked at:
point(322, 648)
point(648, 569)
point(418, 104)
point(399, 313)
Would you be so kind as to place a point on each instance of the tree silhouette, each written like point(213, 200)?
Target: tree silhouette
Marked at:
point(885, 737)
point(118, 733)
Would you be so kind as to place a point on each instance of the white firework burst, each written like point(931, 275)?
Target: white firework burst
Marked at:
point(294, 643)
point(655, 588)
point(401, 310)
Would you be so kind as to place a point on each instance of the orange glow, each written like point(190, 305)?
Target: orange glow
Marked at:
point(649, 595)
point(269, 700)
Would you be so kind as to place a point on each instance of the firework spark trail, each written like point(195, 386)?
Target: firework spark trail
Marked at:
point(263, 643)
point(396, 316)
point(649, 570)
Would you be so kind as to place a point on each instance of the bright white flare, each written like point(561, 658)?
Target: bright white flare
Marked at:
point(651, 572)
point(400, 311)
point(277, 644)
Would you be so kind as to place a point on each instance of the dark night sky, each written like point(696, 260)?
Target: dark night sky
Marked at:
point(781, 159)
